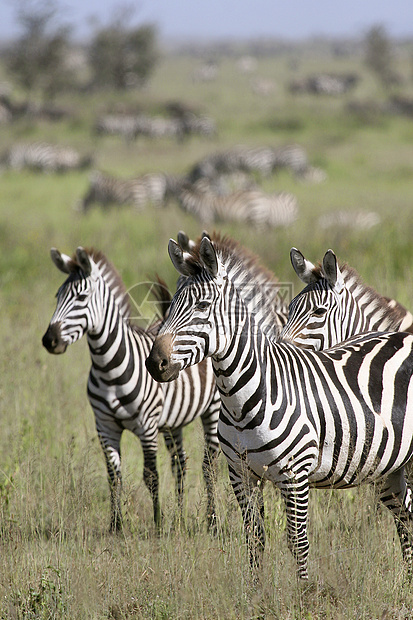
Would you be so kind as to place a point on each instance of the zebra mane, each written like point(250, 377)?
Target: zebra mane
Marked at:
point(111, 277)
point(257, 285)
point(367, 296)
point(114, 281)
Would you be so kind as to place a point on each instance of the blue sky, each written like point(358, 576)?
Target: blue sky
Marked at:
point(195, 19)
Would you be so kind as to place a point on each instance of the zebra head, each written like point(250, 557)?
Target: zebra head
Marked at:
point(317, 315)
point(196, 326)
point(77, 307)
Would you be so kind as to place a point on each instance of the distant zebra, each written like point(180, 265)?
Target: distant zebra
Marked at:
point(131, 127)
point(298, 418)
point(336, 305)
point(45, 157)
point(123, 396)
point(358, 220)
point(248, 206)
point(152, 188)
point(261, 160)
point(125, 125)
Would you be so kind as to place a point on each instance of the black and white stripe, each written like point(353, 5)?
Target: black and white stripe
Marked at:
point(336, 304)
point(123, 396)
point(45, 157)
point(153, 188)
point(264, 160)
point(252, 206)
point(298, 418)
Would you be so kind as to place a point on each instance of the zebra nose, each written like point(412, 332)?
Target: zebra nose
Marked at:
point(52, 340)
point(157, 364)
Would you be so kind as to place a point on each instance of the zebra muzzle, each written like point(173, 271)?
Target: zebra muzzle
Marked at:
point(158, 362)
point(52, 340)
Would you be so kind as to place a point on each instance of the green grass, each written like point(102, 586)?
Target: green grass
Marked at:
point(57, 558)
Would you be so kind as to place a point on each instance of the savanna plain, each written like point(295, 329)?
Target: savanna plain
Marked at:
point(57, 557)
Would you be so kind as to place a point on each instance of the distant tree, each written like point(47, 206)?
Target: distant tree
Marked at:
point(121, 57)
point(378, 55)
point(37, 59)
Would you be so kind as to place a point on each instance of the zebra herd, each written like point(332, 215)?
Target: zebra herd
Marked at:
point(317, 395)
point(220, 187)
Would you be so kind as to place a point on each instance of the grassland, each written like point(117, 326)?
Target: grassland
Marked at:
point(57, 559)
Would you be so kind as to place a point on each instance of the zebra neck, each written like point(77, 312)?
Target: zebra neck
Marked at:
point(110, 344)
point(240, 372)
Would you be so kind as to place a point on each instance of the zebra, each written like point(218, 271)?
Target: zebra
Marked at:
point(251, 206)
point(335, 418)
point(259, 281)
point(154, 188)
point(45, 157)
point(357, 220)
point(93, 301)
point(336, 304)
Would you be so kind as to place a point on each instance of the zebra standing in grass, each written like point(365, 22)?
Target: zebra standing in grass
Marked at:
point(336, 304)
point(263, 160)
point(45, 157)
point(336, 418)
point(251, 206)
point(154, 188)
point(123, 396)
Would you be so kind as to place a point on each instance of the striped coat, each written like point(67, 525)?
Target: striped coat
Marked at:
point(123, 396)
point(297, 418)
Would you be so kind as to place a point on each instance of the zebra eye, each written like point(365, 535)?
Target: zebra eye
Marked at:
point(202, 305)
point(81, 297)
point(319, 311)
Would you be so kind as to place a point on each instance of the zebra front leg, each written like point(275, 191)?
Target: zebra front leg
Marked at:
point(209, 464)
point(296, 502)
point(248, 491)
point(174, 444)
point(151, 479)
point(209, 467)
point(396, 495)
point(111, 450)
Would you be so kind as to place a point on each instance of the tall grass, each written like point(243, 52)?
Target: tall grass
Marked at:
point(57, 558)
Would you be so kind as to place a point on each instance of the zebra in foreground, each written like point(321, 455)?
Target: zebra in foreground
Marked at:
point(153, 188)
point(336, 304)
point(122, 394)
point(251, 206)
point(335, 418)
point(45, 157)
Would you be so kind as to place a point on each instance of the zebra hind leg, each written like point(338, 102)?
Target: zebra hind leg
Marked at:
point(397, 496)
point(174, 444)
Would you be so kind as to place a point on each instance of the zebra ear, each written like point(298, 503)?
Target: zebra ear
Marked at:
point(304, 269)
point(179, 261)
point(84, 261)
point(185, 242)
point(208, 256)
point(332, 271)
point(62, 261)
